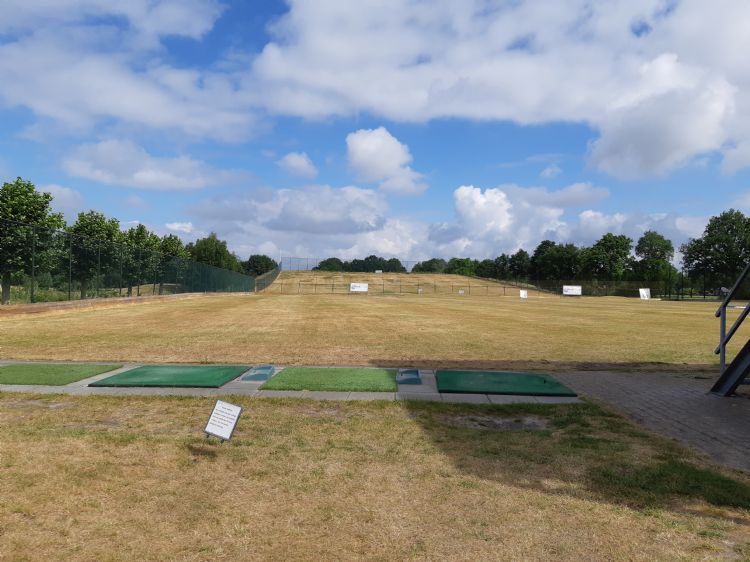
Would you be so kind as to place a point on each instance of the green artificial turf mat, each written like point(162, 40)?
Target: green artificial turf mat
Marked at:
point(50, 374)
point(494, 382)
point(333, 379)
point(175, 376)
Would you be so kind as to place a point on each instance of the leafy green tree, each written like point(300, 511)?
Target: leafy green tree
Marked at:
point(173, 260)
point(461, 266)
point(722, 252)
point(20, 202)
point(609, 258)
point(655, 253)
point(212, 251)
point(556, 261)
point(486, 269)
point(394, 265)
point(519, 265)
point(93, 246)
point(140, 257)
point(502, 266)
point(258, 265)
point(434, 265)
point(330, 264)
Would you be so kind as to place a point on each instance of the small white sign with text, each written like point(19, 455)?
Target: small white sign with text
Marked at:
point(524, 293)
point(358, 287)
point(223, 420)
point(572, 290)
point(645, 294)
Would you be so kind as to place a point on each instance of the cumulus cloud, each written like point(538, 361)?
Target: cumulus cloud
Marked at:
point(124, 163)
point(377, 156)
point(185, 227)
point(736, 158)
point(65, 200)
point(298, 164)
point(311, 210)
point(551, 171)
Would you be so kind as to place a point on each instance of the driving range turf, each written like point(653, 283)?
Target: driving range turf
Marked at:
point(334, 379)
point(175, 376)
point(50, 374)
point(493, 382)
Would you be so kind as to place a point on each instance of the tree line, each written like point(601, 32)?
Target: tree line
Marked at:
point(94, 239)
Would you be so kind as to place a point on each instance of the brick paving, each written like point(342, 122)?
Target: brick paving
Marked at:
point(678, 406)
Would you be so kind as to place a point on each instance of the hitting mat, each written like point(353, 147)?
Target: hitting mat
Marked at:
point(495, 382)
point(202, 376)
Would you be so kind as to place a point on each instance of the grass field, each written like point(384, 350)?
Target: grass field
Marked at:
point(396, 331)
point(104, 478)
point(430, 284)
point(52, 375)
point(336, 379)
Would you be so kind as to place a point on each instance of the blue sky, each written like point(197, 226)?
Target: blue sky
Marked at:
point(404, 128)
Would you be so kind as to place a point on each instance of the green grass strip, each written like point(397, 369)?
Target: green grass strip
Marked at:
point(174, 376)
point(334, 379)
point(51, 375)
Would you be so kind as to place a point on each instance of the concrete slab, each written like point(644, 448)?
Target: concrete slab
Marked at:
point(511, 399)
point(466, 398)
point(280, 394)
point(371, 396)
point(558, 400)
point(426, 396)
point(88, 381)
point(322, 395)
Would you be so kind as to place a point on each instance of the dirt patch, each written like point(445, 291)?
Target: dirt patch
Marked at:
point(36, 404)
point(497, 423)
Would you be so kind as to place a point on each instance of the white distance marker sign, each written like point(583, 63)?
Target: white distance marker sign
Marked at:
point(223, 420)
point(645, 294)
point(358, 287)
point(524, 293)
point(572, 290)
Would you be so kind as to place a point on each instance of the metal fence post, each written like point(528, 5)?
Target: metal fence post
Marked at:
point(98, 267)
point(33, 263)
point(70, 267)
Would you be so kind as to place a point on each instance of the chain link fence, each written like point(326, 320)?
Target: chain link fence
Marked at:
point(45, 265)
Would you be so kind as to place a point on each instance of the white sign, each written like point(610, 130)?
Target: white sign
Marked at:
point(420, 290)
point(378, 271)
point(645, 294)
point(572, 290)
point(223, 420)
point(358, 287)
point(460, 291)
point(524, 293)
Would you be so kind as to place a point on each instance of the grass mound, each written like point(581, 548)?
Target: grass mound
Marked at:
point(334, 379)
point(51, 375)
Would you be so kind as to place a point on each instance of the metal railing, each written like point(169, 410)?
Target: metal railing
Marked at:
point(721, 313)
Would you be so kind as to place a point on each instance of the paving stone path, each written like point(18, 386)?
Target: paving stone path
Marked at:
point(678, 406)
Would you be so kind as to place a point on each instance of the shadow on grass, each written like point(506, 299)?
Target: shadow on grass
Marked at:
point(584, 451)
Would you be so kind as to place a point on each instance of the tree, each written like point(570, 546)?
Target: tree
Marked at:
point(722, 252)
point(540, 265)
point(258, 265)
point(173, 258)
point(608, 258)
point(394, 265)
point(212, 251)
point(502, 268)
point(519, 265)
point(434, 265)
point(140, 257)
point(655, 253)
point(461, 266)
point(486, 269)
point(20, 202)
point(93, 245)
point(330, 264)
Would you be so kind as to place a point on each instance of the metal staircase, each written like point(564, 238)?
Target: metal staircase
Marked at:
point(736, 372)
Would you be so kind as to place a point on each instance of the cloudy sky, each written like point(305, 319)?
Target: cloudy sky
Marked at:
point(407, 128)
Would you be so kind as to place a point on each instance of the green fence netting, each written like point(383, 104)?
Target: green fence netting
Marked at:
point(44, 265)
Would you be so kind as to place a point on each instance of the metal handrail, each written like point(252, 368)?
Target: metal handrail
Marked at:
point(721, 313)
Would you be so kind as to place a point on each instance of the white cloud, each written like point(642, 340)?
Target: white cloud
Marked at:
point(319, 210)
point(551, 171)
point(65, 200)
point(298, 164)
point(736, 158)
point(377, 156)
point(186, 227)
point(126, 164)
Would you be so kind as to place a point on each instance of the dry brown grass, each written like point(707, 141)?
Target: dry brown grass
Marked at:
point(95, 478)
point(404, 330)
